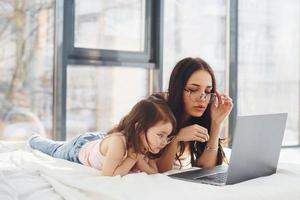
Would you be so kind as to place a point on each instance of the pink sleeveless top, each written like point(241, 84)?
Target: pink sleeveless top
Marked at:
point(90, 155)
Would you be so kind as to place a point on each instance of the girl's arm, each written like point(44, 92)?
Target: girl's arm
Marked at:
point(113, 163)
point(149, 166)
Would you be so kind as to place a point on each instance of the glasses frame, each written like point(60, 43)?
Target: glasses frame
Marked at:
point(170, 139)
point(211, 98)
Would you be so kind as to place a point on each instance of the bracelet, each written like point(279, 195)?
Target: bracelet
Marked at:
point(211, 148)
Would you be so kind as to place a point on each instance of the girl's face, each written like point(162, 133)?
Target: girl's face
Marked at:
point(196, 93)
point(157, 137)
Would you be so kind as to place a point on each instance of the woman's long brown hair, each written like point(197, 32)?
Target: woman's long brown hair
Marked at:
point(179, 77)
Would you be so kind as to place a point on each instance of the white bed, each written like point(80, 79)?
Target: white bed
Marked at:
point(27, 174)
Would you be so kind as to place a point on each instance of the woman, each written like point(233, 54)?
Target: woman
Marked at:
point(199, 110)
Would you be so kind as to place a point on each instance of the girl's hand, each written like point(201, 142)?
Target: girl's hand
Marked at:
point(221, 108)
point(146, 165)
point(133, 155)
point(193, 133)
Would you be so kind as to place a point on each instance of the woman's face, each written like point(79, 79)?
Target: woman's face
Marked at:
point(157, 137)
point(194, 94)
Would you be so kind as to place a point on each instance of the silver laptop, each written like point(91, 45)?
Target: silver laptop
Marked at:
point(255, 152)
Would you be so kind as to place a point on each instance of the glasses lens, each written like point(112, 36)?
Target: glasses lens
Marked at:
point(212, 97)
point(195, 96)
point(170, 138)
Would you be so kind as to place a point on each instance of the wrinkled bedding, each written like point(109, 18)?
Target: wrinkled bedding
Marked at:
point(30, 174)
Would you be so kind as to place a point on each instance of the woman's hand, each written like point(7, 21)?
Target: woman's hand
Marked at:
point(192, 133)
point(221, 108)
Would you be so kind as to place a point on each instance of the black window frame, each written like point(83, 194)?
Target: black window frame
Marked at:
point(67, 54)
point(86, 55)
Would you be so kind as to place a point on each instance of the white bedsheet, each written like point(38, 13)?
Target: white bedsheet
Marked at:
point(28, 174)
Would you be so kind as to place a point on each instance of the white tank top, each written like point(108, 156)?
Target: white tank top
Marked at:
point(90, 155)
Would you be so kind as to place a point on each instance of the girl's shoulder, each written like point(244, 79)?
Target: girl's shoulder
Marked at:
point(115, 138)
point(115, 141)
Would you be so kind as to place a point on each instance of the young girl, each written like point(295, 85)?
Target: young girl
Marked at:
point(140, 135)
point(199, 110)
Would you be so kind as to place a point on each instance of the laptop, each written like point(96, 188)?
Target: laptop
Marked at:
point(255, 152)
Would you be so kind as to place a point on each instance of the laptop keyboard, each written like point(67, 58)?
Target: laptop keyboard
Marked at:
point(218, 178)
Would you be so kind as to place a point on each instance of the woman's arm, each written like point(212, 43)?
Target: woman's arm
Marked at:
point(113, 163)
point(186, 134)
point(166, 160)
point(220, 109)
point(209, 156)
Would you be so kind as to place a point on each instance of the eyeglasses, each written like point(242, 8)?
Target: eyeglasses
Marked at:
point(196, 95)
point(167, 139)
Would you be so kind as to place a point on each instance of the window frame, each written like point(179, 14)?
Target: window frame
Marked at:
point(233, 70)
point(88, 54)
point(67, 54)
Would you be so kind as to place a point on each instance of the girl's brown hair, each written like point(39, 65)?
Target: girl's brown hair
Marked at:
point(145, 114)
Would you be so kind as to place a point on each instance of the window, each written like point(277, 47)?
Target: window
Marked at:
point(246, 41)
point(26, 65)
point(108, 60)
point(113, 25)
point(98, 97)
point(195, 29)
point(102, 32)
point(268, 64)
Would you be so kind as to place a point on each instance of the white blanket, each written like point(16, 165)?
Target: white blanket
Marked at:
point(34, 175)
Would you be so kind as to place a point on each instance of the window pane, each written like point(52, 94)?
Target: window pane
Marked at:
point(26, 65)
point(98, 97)
point(269, 60)
point(110, 24)
point(195, 28)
